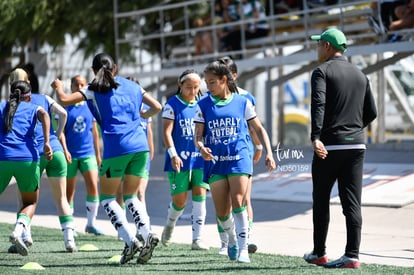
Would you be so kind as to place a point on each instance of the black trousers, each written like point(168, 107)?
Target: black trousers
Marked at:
point(346, 167)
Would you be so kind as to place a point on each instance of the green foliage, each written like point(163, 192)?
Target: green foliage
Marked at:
point(48, 250)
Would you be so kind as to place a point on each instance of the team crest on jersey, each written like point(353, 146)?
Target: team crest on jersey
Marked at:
point(80, 125)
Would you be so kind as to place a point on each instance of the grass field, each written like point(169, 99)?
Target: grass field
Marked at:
point(49, 252)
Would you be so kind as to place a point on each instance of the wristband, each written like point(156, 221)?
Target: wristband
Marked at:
point(172, 152)
point(259, 147)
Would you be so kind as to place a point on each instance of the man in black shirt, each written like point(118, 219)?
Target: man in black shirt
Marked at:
point(342, 105)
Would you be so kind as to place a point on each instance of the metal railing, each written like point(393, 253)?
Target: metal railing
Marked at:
point(304, 21)
point(262, 55)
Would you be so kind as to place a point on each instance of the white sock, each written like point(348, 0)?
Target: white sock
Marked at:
point(224, 237)
point(198, 219)
point(140, 215)
point(27, 233)
point(173, 215)
point(21, 225)
point(68, 229)
point(250, 230)
point(242, 228)
point(228, 227)
point(91, 212)
point(118, 219)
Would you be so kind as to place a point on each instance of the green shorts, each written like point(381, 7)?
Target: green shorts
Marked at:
point(83, 164)
point(215, 178)
point(26, 173)
point(185, 180)
point(57, 167)
point(132, 164)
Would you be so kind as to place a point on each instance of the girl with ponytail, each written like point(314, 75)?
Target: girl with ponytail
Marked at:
point(19, 157)
point(116, 103)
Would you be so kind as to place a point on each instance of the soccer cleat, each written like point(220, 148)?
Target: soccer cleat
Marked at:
point(232, 252)
point(343, 262)
point(18, 242)
point(70, 246)
point(223, 249)
point(315, 259)
point(199, 245)
point(27, 238)
point(68, 236)
point(146, 252)
point(28, 241)
point(140, 238)
point(166, 235)
point(93, 230)
point(243, 257)
point(130, 250)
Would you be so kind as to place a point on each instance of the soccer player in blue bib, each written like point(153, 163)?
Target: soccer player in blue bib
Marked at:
point(82, 141)
point(221, 131)
point(146, 124)
point(183, 162)
point(56, 168)
point(116, 103)
point(19, 157)
point(256, 149)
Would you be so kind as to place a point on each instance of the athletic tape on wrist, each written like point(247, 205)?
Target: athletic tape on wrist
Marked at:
point(172, 152)
point(259, 147)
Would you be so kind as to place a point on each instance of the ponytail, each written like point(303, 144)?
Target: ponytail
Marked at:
point(104, 80)
point(19, 89)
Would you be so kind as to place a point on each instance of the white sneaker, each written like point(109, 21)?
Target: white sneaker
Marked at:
point(199, 245)
point(166, 235)
point(68, 236)
point(243, 257)
point(70, 246)
point(27, 238)
point(223, 249)
point(18, 242)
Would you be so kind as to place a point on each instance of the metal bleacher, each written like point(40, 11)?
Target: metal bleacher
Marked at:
point(288, 30)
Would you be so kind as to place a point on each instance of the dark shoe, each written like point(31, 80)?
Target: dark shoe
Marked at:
point(130, 250)
point(343, 262)
point(315, 259)
point(146, 252)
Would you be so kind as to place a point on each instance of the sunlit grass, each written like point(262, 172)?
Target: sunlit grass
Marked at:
point(49, 251)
